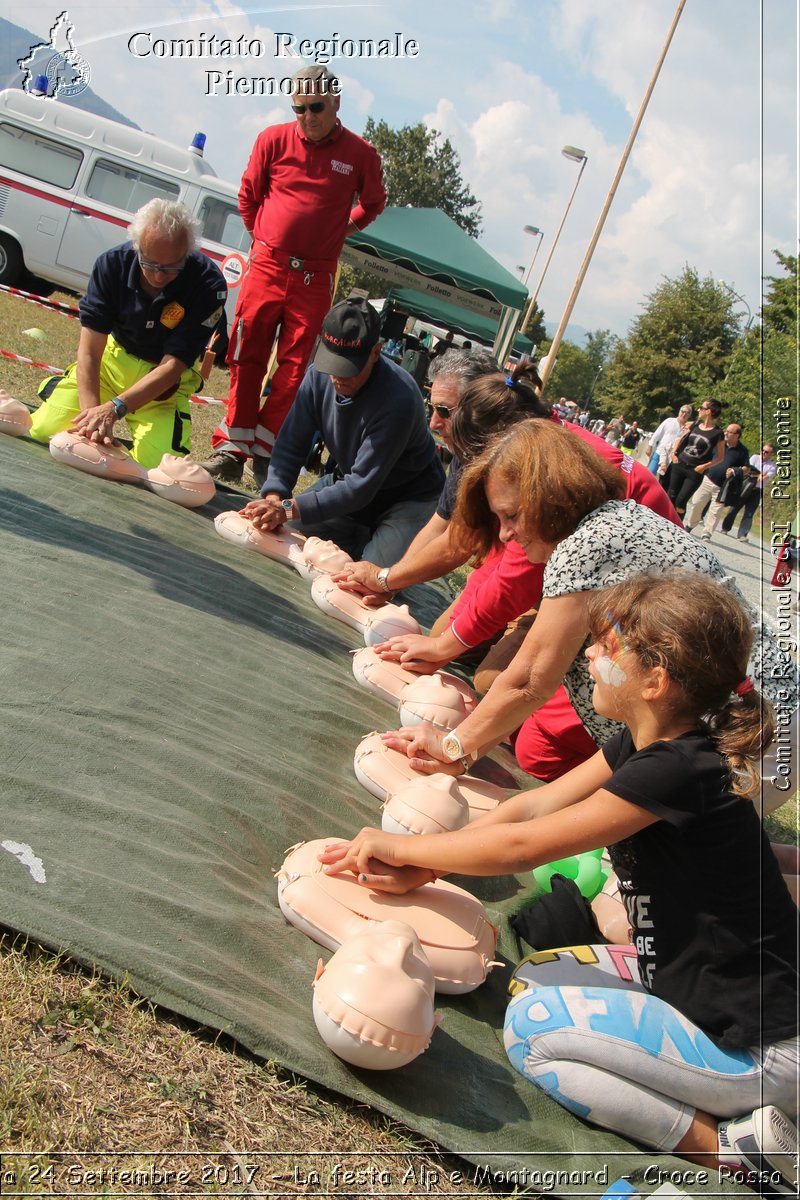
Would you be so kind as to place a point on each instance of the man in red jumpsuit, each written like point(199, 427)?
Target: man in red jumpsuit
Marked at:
point(298, 200)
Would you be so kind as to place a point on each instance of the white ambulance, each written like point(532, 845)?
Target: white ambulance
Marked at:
point(70, 182)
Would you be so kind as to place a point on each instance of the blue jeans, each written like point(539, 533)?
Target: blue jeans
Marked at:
point(382, 544)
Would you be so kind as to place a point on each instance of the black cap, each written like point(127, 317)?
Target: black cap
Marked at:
point(349, 333)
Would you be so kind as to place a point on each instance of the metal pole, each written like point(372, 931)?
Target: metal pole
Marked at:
point(532, 301)
point(527, 274)
point(548, 365)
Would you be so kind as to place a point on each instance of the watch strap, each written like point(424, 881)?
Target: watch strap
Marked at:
point(383, 578)
point(120, 407)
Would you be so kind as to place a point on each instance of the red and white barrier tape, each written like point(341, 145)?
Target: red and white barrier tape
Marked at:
point(30, 362)
point(42, 301)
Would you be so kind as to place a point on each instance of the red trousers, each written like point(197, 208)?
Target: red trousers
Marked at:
point(272, 295)
point(553, 740)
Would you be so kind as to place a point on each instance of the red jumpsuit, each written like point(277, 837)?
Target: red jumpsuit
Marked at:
point(297, 199)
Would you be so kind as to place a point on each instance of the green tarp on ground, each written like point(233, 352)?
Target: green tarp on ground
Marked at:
point(176, 712)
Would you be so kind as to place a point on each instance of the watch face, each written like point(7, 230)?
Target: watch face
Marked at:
point(452, 747)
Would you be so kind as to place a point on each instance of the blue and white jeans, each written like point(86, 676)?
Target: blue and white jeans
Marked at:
point(625, 1060)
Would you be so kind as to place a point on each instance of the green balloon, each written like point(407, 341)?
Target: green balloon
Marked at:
point(585, 870)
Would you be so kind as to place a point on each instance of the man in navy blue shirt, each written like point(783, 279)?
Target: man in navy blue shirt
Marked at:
point(149, 310)
point(736, 456)
point(384, 475)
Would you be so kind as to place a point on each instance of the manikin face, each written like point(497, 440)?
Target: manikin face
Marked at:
point(503, 498)
point(445, 393)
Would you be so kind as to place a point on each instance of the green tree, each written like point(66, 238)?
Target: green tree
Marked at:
point(422, 169)
point(578, 369)
point(675, 353)
point(536, 330)
point(760, 388)
point(779, 313)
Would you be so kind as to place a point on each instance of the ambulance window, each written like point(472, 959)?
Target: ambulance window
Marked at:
point(220, 222)
point(31, 154)
point(125, 187)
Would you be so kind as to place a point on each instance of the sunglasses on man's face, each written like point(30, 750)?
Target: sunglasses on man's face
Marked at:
point(441, 410)
point(317, 107)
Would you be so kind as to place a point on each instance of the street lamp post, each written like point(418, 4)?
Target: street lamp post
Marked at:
point(574, 155)
point(741, 299)
point(532, 229)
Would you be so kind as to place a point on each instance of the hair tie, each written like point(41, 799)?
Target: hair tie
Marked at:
point(511, 382)
point(744, 687)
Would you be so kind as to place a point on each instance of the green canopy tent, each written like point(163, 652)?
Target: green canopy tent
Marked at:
point(449, 316)
point(423, 249)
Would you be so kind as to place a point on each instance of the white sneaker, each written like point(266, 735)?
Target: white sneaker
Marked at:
point(761, 1151)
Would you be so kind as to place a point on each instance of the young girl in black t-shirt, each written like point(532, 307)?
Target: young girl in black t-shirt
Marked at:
point(700, 1057)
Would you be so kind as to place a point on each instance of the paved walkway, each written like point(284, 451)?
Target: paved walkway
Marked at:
point(752, 565)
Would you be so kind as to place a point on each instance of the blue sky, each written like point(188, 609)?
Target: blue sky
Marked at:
point(712, 180)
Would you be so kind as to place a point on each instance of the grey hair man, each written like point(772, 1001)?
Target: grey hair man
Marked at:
point(150, 308)
point(430, 555)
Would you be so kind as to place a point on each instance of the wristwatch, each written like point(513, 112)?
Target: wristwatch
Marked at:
point(383, 578)
point(288, 508)
point(120, 407)
point(454, 751)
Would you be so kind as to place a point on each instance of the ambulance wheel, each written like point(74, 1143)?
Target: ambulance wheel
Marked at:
point(11, 264)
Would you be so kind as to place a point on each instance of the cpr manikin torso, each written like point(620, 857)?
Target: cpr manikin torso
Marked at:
point(277, 544)
point(451, 925)
point(178, 479)
point(15, 419)
point(376, 624)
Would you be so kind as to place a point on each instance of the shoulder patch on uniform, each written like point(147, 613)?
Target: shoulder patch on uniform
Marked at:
point(211, 321)
point(173, 314)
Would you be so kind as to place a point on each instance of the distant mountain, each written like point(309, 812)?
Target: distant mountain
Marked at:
point(573, 333)
point(17, 43)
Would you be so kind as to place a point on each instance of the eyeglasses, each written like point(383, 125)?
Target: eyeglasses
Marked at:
point(704, 408)
point(162, 268)
point(317, 107)
point(441, 411)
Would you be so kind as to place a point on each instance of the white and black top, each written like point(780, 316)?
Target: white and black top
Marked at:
point(699, 445)
point(711, 918)
point(621, 539)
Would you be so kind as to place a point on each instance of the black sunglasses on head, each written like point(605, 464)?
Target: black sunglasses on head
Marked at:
point(317, 107)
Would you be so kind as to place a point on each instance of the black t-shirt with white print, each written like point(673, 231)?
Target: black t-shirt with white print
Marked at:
point(712, 920)
point(699, 445)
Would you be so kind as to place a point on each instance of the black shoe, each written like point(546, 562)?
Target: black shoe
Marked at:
point(260, 470)
point(224, 465)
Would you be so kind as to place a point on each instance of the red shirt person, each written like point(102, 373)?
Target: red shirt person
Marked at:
point(307, 184)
